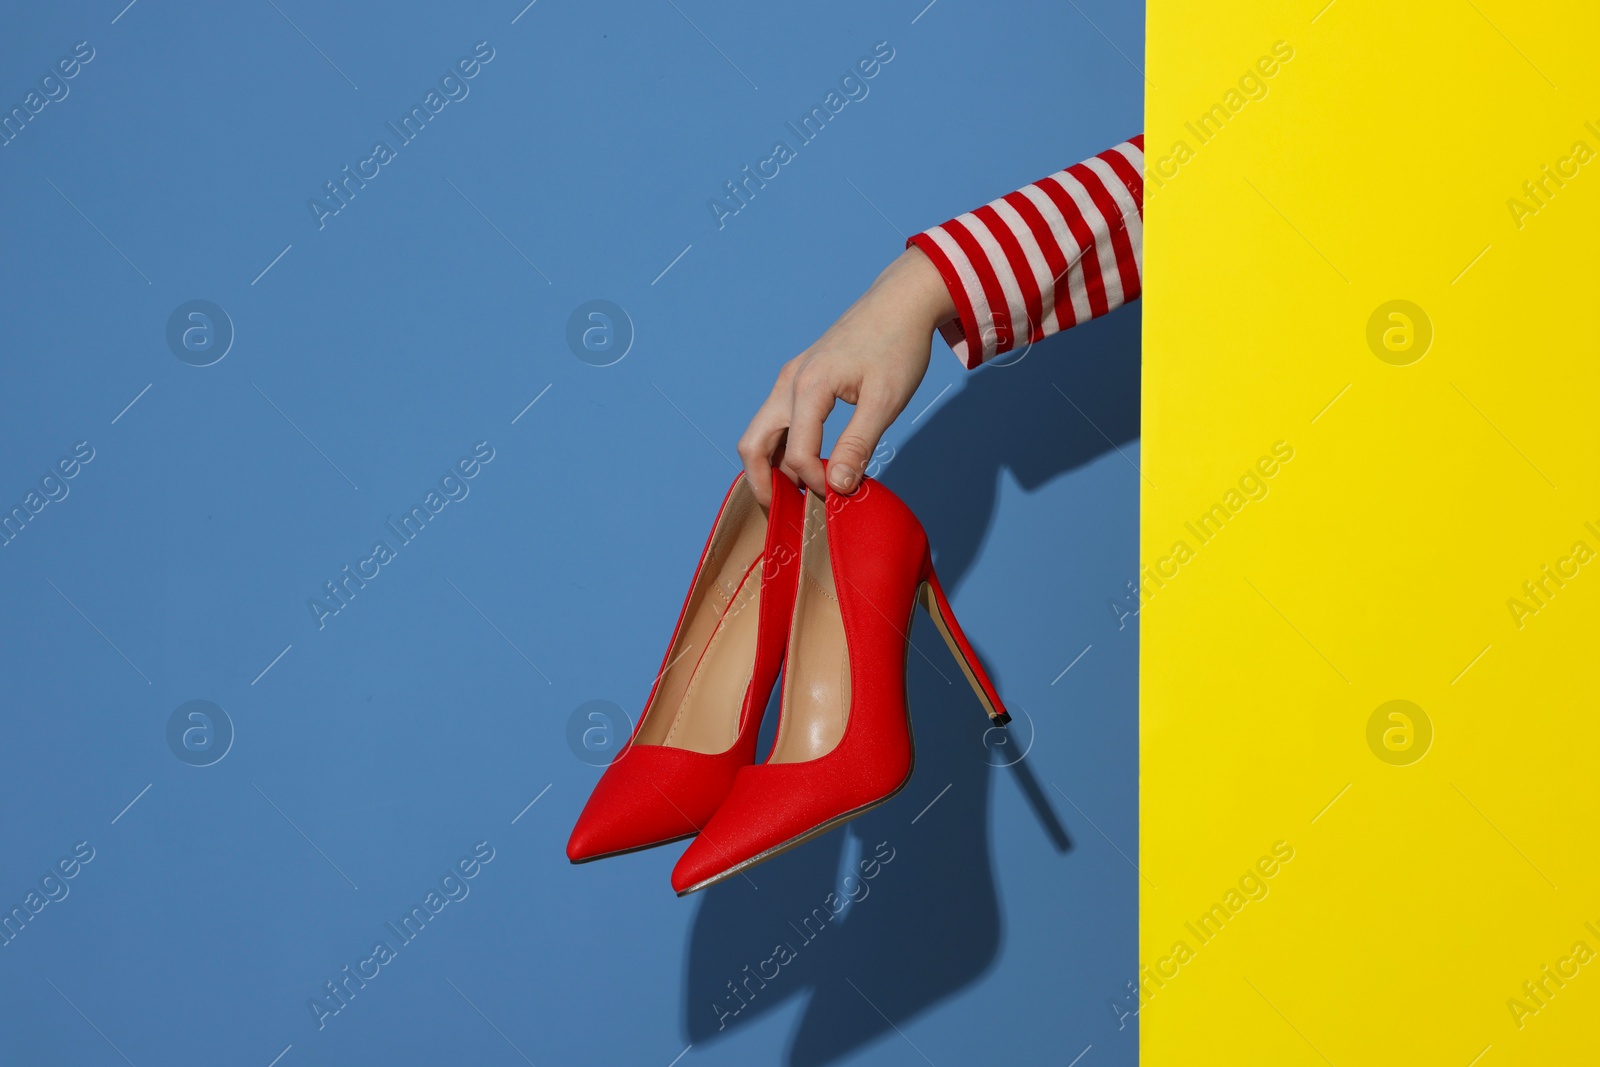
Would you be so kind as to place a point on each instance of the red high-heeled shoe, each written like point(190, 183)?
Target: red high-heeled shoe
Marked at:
point(700, 723)
point(844, 743)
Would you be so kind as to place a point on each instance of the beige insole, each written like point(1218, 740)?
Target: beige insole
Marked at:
point(816, 681)
point(696, 706)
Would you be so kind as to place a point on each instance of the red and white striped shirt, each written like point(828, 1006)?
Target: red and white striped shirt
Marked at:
point(1063, 250)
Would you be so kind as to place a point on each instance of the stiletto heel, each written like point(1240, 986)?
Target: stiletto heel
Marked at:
point(931, 596)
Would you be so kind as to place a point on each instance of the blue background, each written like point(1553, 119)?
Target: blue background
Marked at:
point(430, 711)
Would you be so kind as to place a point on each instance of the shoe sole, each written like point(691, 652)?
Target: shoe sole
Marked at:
point(635, 848)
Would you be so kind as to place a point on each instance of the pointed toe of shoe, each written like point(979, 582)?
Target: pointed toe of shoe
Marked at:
point(738, 836)
point(720, 850)
point(699, 866)
point(770, 808)
point(593, 838)
point(651, 796)
point(767, 807)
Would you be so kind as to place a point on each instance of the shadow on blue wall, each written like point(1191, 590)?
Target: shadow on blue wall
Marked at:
point(938, 926)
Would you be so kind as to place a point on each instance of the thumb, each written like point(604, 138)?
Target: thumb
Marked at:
point(853, 451)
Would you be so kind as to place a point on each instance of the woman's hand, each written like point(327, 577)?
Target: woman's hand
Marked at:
point(874, 357)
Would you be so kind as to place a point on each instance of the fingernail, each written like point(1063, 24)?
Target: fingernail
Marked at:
point(842, 476)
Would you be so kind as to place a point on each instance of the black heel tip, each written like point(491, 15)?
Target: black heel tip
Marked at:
point(1003, 719)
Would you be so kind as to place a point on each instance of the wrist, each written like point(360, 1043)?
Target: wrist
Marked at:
point(919, 288)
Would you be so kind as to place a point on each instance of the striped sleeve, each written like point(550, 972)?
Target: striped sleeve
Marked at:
point(1050, 255)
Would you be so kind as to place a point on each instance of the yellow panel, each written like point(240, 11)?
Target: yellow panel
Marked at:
point(1381, 160)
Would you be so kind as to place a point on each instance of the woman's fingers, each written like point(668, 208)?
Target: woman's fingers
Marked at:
point(760, 448)
point(853, 450)
point(874, 357)
point(813, 399)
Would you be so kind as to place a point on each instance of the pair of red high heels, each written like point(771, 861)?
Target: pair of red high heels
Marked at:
point(824, 589)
